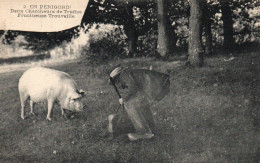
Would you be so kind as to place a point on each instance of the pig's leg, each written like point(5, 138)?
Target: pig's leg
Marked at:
point(51, 101)
point(63, 114)
point(62, 111)
point(23, 99)
point(31, 106)
point(50, 105)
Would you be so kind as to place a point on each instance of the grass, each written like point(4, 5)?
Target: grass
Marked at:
point(211, 115)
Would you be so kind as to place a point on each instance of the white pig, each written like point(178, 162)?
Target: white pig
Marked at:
point(42, 84)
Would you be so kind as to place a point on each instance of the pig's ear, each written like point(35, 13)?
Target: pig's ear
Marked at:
point(82, 92)
point(75, 95)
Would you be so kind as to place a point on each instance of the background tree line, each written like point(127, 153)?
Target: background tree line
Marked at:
point(164, 27)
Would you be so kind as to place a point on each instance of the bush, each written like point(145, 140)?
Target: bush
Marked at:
point(147, 44)
point(94, 42)
point(14, 48)
point(105, 41)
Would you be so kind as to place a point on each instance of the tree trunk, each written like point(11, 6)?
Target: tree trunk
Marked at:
point(195, 51)
point(130, 31)
point(208, 35)
point(227, 25)
point(207, 29)
point(165, 43)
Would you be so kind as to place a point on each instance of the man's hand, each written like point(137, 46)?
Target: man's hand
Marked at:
point(121, 101)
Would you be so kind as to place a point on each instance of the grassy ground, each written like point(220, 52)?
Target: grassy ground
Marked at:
point(211, 115)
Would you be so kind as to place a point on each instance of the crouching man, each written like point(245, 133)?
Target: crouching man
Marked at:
point(138, 87)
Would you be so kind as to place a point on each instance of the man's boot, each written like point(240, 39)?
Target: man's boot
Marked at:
point(112, 122)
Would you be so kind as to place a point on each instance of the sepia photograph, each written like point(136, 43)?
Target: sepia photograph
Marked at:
point(137, 81)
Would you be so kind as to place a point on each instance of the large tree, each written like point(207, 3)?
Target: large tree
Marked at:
point(228, 43)
point(129, 27)
point(164, 25)
point(195, 51)
point(207, 28)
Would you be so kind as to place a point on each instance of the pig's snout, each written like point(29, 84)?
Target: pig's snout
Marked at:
point(79, 107)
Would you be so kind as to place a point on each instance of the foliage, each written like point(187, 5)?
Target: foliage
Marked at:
point(15, 48)
point(148, 44)
point(244, 23)
point(246, 27)
point(105, 42)
point(41, 42)
point(94, 42)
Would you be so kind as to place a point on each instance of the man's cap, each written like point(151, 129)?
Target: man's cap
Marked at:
point(115, 72)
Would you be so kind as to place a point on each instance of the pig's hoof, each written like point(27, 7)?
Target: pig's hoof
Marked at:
point(32, 113)
point(23, 117)
point(49, 119)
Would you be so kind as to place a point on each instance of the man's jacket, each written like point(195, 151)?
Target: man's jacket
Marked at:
point(153, 85)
